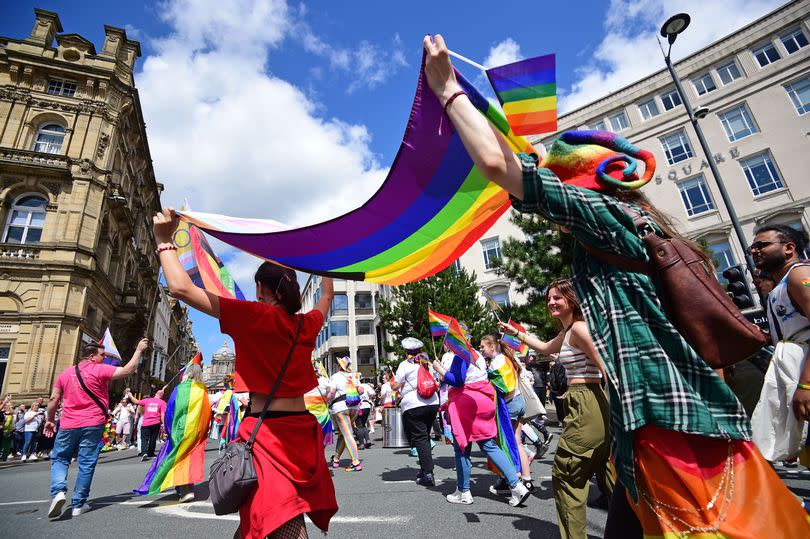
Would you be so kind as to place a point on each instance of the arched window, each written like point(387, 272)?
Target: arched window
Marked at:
point(26, 219)
point(49, 138)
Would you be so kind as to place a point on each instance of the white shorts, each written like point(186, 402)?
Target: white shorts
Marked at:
point(122, 427)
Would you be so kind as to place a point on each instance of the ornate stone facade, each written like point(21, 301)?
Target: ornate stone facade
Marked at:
point(221, 364)
point(73, 146)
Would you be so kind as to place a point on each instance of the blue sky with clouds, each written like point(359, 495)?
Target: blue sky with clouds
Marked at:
point(294, 111)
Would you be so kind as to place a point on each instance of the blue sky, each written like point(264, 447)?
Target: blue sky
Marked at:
point(294, 111)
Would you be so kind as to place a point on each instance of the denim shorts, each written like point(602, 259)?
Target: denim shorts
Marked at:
point(517, 407)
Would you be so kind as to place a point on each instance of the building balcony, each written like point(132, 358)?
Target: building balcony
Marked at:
point(19, 253)
point(27, 157)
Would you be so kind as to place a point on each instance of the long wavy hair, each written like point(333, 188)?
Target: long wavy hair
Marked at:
point(566, 290)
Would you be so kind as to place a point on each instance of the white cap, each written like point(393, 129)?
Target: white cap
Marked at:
point(412, 343)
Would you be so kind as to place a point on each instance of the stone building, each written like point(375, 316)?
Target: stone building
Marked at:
point(222, 363)
point(77, 191)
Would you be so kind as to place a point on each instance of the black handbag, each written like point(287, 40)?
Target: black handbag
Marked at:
point(233, 476)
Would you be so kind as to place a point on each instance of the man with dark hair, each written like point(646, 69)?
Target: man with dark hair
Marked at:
point(784, 403)
point(83, 391)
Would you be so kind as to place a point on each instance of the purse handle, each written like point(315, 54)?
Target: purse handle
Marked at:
point(249, 443)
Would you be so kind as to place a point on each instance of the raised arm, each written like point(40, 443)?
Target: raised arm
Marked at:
point(546, 348)
point(327, 295)
point(487, 148)
point(180, 285)
point(132, 365)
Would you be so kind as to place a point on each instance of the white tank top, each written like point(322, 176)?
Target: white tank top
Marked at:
point(576, 363)
point(785, 321)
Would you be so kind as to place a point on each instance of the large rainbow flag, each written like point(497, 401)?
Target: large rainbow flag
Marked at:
point(527, 90)
point(433, 206)
point(202, 264)
point(181, 460)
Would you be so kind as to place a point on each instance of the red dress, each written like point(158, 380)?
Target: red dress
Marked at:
point(288, 451)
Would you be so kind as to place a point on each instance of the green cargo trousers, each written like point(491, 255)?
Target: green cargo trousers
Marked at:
point(583, 451)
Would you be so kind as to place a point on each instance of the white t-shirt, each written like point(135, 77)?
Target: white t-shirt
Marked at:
point(386, 395)
point(367, 396)
point(478, 371)
point(33, 425)
point(125, 412)
point(339, 382)
point(407, 374)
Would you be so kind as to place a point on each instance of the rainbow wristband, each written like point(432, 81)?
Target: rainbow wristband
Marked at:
point(803, 386)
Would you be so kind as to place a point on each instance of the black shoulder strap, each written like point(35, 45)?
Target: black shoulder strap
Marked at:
point(90, 393)
point(249, 443)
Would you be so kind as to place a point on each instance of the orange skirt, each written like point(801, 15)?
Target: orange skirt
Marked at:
point(292, 472)
point(693, 486)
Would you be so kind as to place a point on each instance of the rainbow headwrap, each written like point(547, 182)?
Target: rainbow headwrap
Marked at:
point(598, 160)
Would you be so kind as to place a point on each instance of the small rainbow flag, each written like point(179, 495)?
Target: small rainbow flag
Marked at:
point(504, 378)
point(111, 354)
point(491, 301)
point(438, 323)
point(527, 91)
point(196, 359)
point(316, 405)
point(513, 342)
point(182, 458)
point(457, 342)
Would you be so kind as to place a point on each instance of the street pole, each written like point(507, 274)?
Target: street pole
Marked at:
point(712, 165)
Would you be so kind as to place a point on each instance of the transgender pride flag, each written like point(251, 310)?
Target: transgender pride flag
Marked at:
point(111, 354)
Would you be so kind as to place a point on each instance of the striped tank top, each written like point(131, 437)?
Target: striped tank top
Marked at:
point(575, 362)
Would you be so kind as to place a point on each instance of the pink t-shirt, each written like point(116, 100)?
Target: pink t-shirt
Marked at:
point(78, 409)
point(153, 409)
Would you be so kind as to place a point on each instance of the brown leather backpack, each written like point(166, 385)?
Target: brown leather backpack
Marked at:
point(693, 300)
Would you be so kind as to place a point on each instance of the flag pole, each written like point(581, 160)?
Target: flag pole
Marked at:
point(465, 59)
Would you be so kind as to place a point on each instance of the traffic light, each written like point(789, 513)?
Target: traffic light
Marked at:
point(737, 287)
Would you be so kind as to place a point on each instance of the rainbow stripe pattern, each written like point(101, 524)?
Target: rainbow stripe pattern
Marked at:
point(433, 206)
point(438, 323)
point(456, 340)
point(182, 458)
point(527, 90)
point(504, 377)
point(202, 264)
point(316, 405)
point(513, 342)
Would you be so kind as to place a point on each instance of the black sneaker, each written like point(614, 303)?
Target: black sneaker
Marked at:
point(500, 488)
point(426, 480)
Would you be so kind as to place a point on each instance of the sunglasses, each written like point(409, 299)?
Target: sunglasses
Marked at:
point(760, 245)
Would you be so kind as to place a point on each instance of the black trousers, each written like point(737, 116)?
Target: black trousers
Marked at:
point(361, 424)
point(418, 422)
point(150, 436)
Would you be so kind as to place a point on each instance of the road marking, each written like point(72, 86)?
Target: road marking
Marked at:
point(185, 511)
point(25, 502)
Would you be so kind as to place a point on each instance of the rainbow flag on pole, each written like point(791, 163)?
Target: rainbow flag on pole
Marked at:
point(111, 354)
point(513, 342)
point(182, 458)
point(438, 323)
point(457, 342)
point(527, 91)
point(317, 406)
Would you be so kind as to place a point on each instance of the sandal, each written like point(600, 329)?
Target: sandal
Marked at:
point(354, 468)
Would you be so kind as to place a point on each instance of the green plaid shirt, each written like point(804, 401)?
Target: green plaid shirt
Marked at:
point(655, 376)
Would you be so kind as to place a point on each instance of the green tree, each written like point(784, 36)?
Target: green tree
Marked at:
point(450, 292)
point(545, 256)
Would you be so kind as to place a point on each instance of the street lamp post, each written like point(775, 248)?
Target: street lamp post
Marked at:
point(670, 30)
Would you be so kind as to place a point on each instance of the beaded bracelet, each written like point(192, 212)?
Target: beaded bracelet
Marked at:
point(165, 248)
point(451, 99)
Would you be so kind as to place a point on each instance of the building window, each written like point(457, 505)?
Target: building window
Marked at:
point(600, 126)
point(723, 258)
point(799, 93)
point(62, 87)
point(26, 220)
point(671, 100)
point(500, 295)
point(738, 123)
point(794, 40)
point(761, 174)
point(340, 305)
point(648, 109)
point(363, 303)
point(364, 327)
point(676, 147)
point(49, 138)
point(492, 251)
point(696, 196)
point(456, 265)
point(365, 356)
point(766, 54)
point(5, 352)
point(729, 72)
point(618, 122)
point(704, 84)
point(339, 328)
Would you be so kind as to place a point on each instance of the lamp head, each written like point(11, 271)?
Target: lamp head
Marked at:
point(701, 113)
point(674, 26)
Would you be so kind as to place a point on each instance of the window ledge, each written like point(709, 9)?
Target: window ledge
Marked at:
point(702, 214)
point(770, 194)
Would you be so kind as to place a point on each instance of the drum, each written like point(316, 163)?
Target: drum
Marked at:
point(393, 429)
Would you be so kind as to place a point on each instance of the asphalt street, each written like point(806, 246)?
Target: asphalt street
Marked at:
point(381, 501)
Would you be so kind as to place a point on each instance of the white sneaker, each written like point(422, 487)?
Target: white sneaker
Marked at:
point(187, 497)
point(460, 497)
point(22, 458)
point(56, 505)
point(32, 457)
point(83, 508)
point(519, 494)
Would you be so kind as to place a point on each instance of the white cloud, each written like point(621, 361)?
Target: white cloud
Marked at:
point(505, 52)
point(629, 51)
point(237, 140)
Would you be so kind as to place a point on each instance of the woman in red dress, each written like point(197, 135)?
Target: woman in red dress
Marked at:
point(288, 451)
